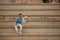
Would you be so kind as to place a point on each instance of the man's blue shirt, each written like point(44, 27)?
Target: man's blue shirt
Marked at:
point(18, 20)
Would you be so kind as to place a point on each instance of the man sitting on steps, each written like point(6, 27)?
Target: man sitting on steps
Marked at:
point(19, 21)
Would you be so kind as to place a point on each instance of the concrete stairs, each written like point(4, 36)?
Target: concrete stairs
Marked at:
point(43, 21)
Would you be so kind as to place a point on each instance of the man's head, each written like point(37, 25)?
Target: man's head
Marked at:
point(20, 15)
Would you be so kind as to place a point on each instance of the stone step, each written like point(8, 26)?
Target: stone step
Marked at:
point(31, 26)
point(30, 30)
point(27, 34)
point(30, 12)
point(5, 25)
point(32, 23)
point(29, 38)
point(28, 1)
point(30, 7)
point(32, 18)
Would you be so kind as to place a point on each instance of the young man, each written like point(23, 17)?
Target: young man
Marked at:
point(19, 23)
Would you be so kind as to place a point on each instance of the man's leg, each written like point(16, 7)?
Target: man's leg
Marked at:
point(20, 30)
point(16, 28)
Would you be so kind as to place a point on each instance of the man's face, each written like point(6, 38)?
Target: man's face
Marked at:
point(20, 16)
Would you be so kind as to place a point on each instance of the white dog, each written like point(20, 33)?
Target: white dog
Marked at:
point(24, 20)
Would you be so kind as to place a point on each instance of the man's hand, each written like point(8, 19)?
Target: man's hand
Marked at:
point(25, 17)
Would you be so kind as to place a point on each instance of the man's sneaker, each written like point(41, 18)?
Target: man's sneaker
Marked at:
point(17, 32)
point(20, 33)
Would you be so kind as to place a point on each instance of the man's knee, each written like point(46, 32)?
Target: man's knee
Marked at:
point(20, 25)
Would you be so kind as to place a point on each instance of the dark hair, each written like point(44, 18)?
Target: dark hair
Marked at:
point(20, 14)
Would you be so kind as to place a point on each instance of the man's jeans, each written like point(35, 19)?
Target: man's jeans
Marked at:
point(18, 30)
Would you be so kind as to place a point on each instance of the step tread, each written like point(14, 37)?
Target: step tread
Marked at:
point(29, 4)
point(28, 34)
point(32, 23)
point(57, 9)
point(51, 13)
point(31, 26)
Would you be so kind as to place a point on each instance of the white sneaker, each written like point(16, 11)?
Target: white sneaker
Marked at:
point(17, 32)
point(20, 33)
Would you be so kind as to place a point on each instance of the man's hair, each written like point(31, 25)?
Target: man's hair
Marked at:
point(20, 14)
